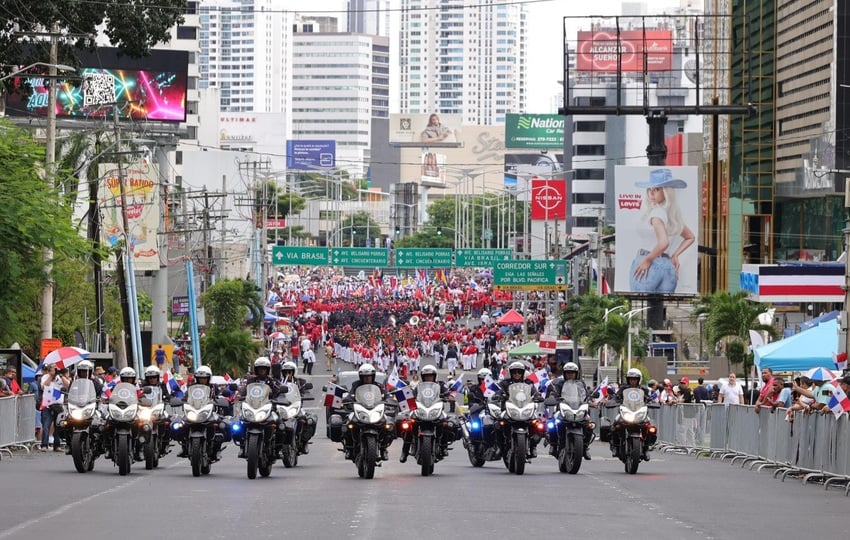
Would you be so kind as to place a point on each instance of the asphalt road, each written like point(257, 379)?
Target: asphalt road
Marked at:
point(671, 497)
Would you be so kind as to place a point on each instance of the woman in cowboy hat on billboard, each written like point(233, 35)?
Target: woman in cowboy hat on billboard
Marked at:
point(663, 236)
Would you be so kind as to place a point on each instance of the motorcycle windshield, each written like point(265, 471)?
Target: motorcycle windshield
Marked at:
point(293, 396)
point(197, 396)
point(257, 395)
point(520, 394)
point(572, 394)
point(154, 395)
point(81, 393)
point(427, 393)
point(123, 395)
point(633, 399)
point(368, 395)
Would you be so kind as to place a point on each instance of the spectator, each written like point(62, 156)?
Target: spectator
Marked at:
point(701, 392)
point(52, 383)
point(775, 396)
point(668, 393)
point(309, 360)
point(767, 386)
point(685, 393)
point(11, 378)
point(160, 357)
point(805, 398)
point(822, 392)
point(5, 391)
point(730, 393)
point(654, 391)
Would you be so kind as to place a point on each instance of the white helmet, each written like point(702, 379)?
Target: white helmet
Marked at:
point(516, 366)
point(262, 361)
point(127, 373)
point(483, 372)
point(571, 366)
point(87, 366)
point(152, 371)
point(203, 371)
point(366, 370)
point(428, 370)
point(289, 366)
point(634, 373)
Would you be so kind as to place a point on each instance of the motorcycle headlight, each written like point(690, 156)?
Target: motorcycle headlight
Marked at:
point(257, 415)
point(368, 416)
point(287, 412)
point(519, 413)
point(633, 417)
point(123, 415)
point(429, 413)
point(82, 413)
point(199, 415)
point(145, 414)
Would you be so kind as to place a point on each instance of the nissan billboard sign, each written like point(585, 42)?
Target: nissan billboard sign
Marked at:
point(548, 199)
point(629, 51)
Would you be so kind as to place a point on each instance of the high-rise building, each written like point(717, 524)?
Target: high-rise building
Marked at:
point(369, 17)
point(244, 53)
point(464, 57)
point(340, 81)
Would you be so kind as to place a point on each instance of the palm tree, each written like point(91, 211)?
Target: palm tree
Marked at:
point(730, 317)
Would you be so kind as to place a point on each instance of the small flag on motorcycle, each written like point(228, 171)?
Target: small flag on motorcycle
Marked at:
point(406, 401)
point(457, 385)
point(489, 387)
point(333, 396)
point(393, 382)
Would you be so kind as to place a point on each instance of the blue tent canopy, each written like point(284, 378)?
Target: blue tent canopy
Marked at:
point(815, 347)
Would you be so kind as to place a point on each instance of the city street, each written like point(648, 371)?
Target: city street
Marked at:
point(671, 497)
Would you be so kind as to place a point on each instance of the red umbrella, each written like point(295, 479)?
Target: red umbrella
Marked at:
point(65, 356)
point(276, 335)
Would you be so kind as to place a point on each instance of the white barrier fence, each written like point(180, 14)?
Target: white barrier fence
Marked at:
point(813, 446)
point(17, 422)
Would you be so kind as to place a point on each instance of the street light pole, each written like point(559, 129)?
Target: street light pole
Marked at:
point(629, 316)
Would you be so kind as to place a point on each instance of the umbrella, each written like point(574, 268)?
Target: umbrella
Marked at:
point(65, 356)
point(820, 374)
point(276, 335)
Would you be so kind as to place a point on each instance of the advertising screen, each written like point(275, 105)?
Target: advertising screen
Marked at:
point(604, 50)
point(150, 88)
point(657, 218)
point(425, 129)
point(534, 131)
point(310, 155)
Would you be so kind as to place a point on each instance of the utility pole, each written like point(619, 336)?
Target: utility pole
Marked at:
point(49, 166)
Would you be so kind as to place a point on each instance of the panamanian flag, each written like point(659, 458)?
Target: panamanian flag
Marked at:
point(602, 388)
point(406, 401)
point(393, 382)
point(489, 387)
point(333, 396)
point(173, 384)
point(839, 403)
point(107, 388)
point(456, 386)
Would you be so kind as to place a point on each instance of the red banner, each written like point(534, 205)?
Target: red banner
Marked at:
point(548, 199)
point(601, 51)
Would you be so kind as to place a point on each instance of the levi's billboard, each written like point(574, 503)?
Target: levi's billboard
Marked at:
point(548, 199)
point(630, 51)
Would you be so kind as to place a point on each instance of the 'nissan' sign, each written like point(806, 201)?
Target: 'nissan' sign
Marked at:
point(548, 199)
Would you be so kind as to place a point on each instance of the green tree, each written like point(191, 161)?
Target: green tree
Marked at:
point(229, 347)
point(134, 26)
point(354, 229)
point(730, 317)
point(26, 229)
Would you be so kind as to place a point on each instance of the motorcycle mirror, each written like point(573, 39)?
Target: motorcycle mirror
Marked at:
point(232, 387)
point(550, 401)
point(145, 402)
point(653, 405)
point(308, 386)
point(611, 405)
point(595, 395)
point(284, 390)
point(147, 390)
point(176, 402)
point(221, 402)
point(538, 400)
point(308, 398)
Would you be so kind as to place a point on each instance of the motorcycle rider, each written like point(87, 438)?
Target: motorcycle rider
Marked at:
point(633, 378)
point(366, 375)
point(475, 395)
point(152, 378)
point(428, 374)
point(288, 371)
point(516, 374)
point(203, 377)
point(570, 377)
point(262, 374)
point(126, 375)
point(85, 370)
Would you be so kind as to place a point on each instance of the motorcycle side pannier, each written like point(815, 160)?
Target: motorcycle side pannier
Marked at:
point(335, 425)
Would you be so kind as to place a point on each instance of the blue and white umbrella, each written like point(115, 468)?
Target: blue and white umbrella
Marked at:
point(820, 374)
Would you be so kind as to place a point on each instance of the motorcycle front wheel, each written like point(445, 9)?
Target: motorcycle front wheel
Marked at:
point(266, 460)
point(252, 453)
point(368, 458)
point(426, 455)
point(474, 458)
point(196, 455)
point(151, 452)
point(572, 454)
point(81, 452)
point(519, 453)
point(290, 455)
point(122, 454)
point(632, 455)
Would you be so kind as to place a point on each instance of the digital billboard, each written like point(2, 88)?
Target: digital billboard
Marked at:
point(149, 88)
point(534, 131)
point(628, 51)
point(657, 218)
point(433, 169)
point(310, 155)
point(425, 129)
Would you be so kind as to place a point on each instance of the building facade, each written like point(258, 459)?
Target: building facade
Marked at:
point(463, 58)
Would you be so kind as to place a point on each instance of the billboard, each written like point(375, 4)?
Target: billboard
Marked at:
point(657, 217)
point(141, 190)
point(628, 51)
point(310, 155)
point(149, 88)
point(534, 131)
point(548, 199)
point(433, 169)
point(425, 130)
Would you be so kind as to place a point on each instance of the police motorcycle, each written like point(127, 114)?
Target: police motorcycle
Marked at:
point(368, 431)
point(256, 431)
point(121, 425)
point(82, 424)
point(517, 424)
point(427, 430)
point(632, 434)
point(292, 424)
point(479, 431)
point(567, 427)
point(201, 430)
point(152, 423)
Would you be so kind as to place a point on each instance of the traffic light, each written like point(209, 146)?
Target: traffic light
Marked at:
point(398, 231)
point(439, 231)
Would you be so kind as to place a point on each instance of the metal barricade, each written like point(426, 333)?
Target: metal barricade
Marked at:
point(25, 427)
point(718, 427)
point(8, 421)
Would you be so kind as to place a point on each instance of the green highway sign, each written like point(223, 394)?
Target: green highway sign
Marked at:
point(423, 257)
point(360, 257)
point(530, 275)
point(481, 257)
point(314, 256)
